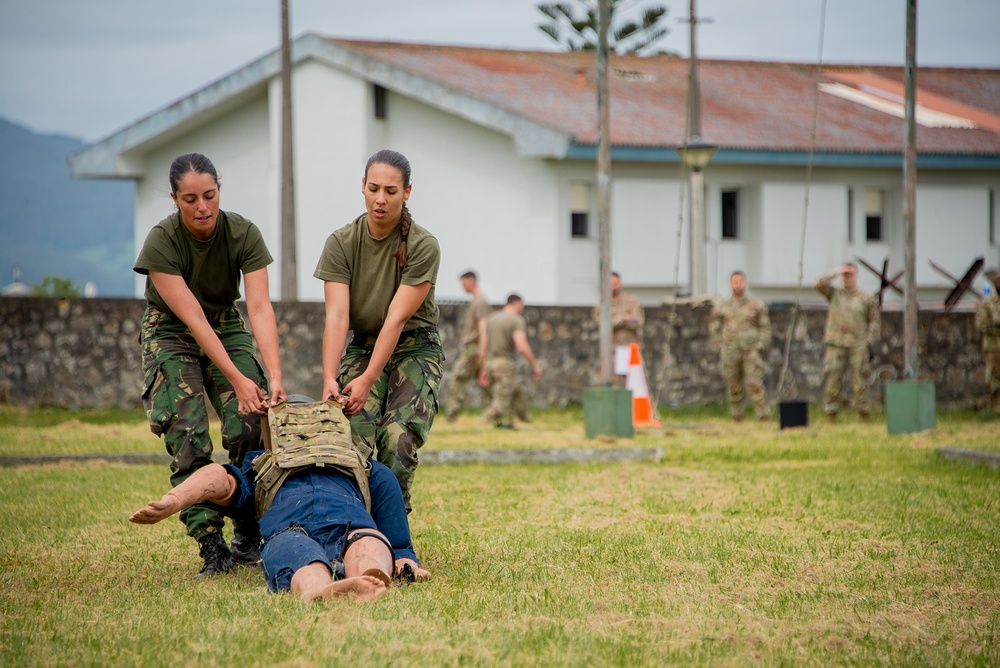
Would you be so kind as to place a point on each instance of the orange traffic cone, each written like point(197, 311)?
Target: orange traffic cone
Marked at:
point(635, 380)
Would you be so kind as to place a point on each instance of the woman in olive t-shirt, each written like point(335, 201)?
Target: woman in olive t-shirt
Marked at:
point(195, 347)
point(379, 273)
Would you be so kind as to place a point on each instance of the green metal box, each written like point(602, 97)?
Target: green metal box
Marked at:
point(607, 411)
point(909, 406)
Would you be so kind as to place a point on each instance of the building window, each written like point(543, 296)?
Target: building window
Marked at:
point(730, 214)
point(873, 215)
point(378, 97)
point(579, 209)
point(850, 215)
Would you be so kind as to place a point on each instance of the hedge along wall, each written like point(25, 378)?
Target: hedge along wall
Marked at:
point(77, 353)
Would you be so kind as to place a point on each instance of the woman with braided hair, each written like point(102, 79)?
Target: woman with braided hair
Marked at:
point(379, 274)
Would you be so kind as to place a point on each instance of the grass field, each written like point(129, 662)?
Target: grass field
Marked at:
point(744, 545)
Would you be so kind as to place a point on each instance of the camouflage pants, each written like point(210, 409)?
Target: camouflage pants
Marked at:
point(741, 367)
point(178, 379)
point(508, 397)
point(993, 376)
point(402, 403)
point(465, 371)
point(835, 361)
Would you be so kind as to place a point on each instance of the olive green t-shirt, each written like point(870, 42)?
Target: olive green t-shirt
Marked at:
point(367, 265)
point(478, 308)
point(500, 328)
point(211, 268)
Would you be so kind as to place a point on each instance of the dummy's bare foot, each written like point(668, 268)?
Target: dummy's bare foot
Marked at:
point(314, 582)
point(361, 588)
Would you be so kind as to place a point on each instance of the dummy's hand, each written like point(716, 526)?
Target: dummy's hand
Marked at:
point(484, 378)
point(251, 398)
point(357, 394)
point(157, 510)
point(420, 574)
point(536, 371)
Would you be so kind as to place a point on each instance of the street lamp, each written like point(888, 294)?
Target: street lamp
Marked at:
point(696, 154)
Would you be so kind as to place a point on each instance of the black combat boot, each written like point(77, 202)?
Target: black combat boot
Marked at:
point(217, 558)
point(245, 547)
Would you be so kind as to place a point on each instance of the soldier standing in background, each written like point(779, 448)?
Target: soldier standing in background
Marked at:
point(470, 361)
point(741, 329)
point(627, 319)
point(852, 325)
point(988, 322)
point(505, 337)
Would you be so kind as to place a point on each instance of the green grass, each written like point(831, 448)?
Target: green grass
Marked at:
point(745, 545)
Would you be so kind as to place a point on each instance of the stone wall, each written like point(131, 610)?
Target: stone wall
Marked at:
point(78, 353)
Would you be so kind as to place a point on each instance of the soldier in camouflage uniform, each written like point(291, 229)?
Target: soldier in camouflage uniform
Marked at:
point(379, 274)
point(852, 327)
point(741, 330)
point(470, 362)
point(988, 322)
point(627, 319)
point(505, 337)
point(196, 349)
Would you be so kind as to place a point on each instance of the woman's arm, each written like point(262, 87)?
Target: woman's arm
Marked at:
point(405, 303)
point(265, 329)
point(338, 318)
point(184, 305)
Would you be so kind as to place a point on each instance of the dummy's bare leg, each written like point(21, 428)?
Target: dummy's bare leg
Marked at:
point(369, 556)
point(209, 483)
point(315, 582)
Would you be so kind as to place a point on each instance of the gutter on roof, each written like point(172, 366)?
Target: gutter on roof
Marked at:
point(759, 157)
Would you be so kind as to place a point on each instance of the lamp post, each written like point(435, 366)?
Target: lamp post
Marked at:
point(696, 154)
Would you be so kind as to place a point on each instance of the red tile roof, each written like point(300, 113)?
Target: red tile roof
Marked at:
point(749, 105)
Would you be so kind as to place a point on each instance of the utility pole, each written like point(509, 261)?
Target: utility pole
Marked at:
point(289, 273)
point(604, 190)
point(910, 361)
point(696, 154)
point(694, 93)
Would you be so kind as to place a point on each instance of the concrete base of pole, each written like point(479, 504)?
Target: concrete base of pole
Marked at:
point(909, 406)
point(607, 411)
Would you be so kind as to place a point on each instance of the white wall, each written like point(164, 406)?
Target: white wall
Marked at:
point(332, 116)
point(951, 230)
point(783, 208)
point(644, 228)
point(489, 209)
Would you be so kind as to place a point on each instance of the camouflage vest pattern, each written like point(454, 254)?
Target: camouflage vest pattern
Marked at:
point(304, 435)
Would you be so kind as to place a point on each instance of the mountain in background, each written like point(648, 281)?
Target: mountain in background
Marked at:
point(52, 224)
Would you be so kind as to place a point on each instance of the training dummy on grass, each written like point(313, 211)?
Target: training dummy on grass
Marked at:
point(333, 523)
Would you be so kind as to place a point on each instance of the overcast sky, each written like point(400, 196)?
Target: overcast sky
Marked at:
point(87, 68)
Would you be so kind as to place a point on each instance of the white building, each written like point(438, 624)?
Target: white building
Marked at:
point(503, 148)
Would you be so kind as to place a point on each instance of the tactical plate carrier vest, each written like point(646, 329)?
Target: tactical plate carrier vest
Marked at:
point(304, 435)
